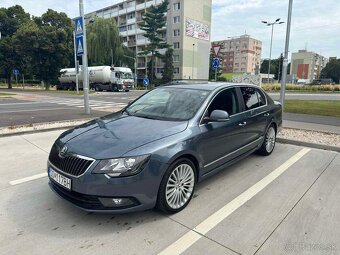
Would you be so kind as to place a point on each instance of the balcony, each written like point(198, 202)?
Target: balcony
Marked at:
point(140, 6)
point(131, 21)
point(132, 43)
point(141, 65)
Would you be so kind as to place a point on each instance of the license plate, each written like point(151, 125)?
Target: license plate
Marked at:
point(62, 180)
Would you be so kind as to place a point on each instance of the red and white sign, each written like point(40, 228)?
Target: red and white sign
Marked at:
point(216, 49)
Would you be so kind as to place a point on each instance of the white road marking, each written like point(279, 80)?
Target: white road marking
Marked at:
point(205, 226)
point(20, 103)
point(27, 179)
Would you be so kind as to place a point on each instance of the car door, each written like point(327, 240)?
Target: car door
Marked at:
point(256, 113)
point(219, 140)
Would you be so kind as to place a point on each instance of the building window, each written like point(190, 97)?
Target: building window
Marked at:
point(176, 70)
point(130, 4)
point(177, 6)
point(176, 45)
point(177, 19)
point(177, 32)
point(176, 58)
point(131, 27)
point(122, 29)
point(130, 15)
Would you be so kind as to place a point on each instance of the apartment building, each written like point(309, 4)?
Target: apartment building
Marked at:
point(187, 31)
point(307, 65)
point(241, 54)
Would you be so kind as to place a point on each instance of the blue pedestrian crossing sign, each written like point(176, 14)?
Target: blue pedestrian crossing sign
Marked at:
point(79, 26)
point(215, 63)
point(80, 46)
point(146, 82)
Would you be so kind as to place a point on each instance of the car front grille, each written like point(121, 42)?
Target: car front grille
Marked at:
point(70, 164)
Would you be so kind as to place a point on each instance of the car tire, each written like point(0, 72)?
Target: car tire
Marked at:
point(269, 141)
point(97, 88)
point(115, 88)
point(174, 192)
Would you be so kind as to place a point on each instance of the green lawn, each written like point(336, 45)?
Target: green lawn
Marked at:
point(7, 94)
point(314, 107)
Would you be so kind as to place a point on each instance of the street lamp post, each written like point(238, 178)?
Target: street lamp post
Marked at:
point(193, 61)
point(277, 21)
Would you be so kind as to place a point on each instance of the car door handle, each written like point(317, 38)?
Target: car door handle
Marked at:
point(266, 114)
point(242, 124)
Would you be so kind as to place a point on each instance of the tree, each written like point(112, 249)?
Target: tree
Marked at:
point(275, 67)
point(168, 73)
point(46, 43)
point(332, 70)
point(104, 42)
point(10, 20)
point(154, 21)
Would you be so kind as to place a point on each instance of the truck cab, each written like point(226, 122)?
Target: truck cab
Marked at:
point(121, 79)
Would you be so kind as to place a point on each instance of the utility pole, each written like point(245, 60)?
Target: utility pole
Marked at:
point(85, 64)
point(285, 60)
point(193, 61)
point(75, 61)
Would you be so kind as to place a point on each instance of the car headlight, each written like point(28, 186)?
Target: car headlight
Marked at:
point(122, 166)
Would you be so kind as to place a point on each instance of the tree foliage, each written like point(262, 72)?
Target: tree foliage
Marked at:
point(275, 67)
point(10, 21)
point(40, 46)
point(168, 74)
point(332, 70)
point(154, 21)
point(103, 40)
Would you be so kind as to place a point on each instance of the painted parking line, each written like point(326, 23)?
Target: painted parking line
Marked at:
point(205, 226)
point(28, 179)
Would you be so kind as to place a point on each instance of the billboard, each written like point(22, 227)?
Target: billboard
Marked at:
point(197, 29)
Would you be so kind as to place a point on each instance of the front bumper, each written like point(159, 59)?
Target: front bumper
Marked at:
point(90, 192)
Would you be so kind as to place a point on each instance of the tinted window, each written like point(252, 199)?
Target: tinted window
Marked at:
point(250, 97)
point(261, 97)
point(169, 104)
point(226, 100)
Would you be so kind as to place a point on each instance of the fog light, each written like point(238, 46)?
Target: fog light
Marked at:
point(117, 202)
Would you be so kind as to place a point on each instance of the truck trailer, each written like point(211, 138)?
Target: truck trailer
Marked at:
point(100, 78)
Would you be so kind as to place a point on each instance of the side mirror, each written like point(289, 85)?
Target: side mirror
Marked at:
point(218, 116)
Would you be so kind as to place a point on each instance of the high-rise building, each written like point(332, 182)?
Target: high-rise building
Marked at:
point(240, 54)
point(187, 31)
point(307, 65)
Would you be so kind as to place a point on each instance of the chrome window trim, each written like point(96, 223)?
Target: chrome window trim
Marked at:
point(225, 156)
point(77, 156)
point(236, 86)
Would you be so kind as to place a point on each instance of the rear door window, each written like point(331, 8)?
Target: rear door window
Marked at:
point(250, 98)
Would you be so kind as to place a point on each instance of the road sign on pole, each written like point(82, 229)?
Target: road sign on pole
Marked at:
point(78, 26)
point(215, 63)
point(216, 49)
point(80, 45)
point(146, 82)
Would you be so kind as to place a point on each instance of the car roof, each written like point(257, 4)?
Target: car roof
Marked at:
point(205, 86)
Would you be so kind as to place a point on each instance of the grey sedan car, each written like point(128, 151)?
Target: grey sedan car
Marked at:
point(155, 151)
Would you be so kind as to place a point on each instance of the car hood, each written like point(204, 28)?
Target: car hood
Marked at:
point(116, 134)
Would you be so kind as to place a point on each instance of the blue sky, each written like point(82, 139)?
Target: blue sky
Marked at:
point(315, 23)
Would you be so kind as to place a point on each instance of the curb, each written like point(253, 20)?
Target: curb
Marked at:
point(307, 144)
point(36, 131)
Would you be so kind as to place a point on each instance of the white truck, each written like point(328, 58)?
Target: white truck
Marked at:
point(100, 77)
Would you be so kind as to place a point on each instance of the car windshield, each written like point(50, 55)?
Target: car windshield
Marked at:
point(126, 75)
point(168, 104)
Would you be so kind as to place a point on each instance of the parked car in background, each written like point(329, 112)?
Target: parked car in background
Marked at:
point(155, 151)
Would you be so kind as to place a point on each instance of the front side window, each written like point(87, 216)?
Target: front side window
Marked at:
point(250, 97)
point(169, 104)
point(227, 101)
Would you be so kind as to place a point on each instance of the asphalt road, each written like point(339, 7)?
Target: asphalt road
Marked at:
point(27, 107)
point(287, 203)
